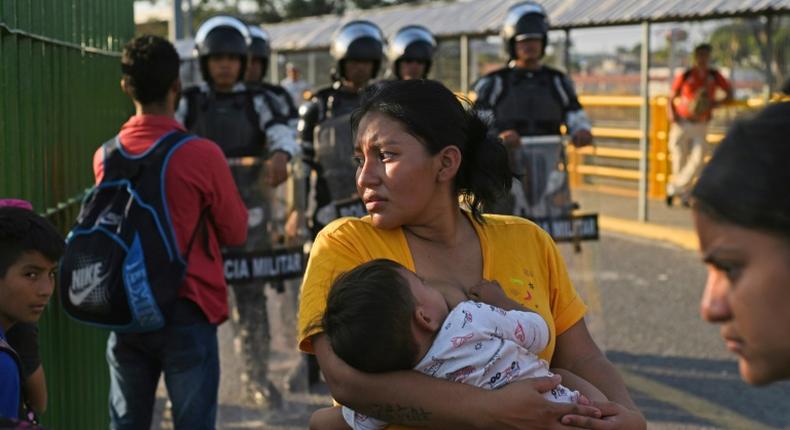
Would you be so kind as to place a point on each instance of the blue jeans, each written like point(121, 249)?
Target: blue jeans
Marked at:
point(189, 357)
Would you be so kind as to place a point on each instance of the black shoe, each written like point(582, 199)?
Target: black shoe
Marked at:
point(669, 200)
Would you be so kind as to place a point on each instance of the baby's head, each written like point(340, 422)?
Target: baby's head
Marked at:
point(376, 314)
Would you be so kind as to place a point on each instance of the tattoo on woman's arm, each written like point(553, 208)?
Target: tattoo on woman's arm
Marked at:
point(401, 414)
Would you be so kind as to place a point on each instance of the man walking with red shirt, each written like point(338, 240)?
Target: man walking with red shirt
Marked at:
point(690, 106)
point(197, 181)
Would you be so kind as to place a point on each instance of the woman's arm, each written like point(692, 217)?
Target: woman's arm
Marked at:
point(414, 399)
point(577, 352)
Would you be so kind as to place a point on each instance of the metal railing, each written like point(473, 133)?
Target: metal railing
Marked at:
point(59, 100)
point(595, 161)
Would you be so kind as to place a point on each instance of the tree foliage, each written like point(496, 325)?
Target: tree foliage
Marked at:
point(744, 43)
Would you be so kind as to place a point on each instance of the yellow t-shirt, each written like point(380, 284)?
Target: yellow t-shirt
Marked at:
point(516, 253)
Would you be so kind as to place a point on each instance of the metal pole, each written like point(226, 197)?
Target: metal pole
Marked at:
point(644, 121)
point(177, 30)
point(311, 67)
point(566, 51)
point(464, 64)
point(768, 87)
point(274, 70)
point(188, 22)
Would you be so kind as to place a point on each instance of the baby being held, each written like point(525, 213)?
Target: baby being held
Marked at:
point(381, 317)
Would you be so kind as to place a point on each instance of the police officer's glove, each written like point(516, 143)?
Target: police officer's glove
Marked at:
point(276, 169)
point(581, 138)
point(510, 138)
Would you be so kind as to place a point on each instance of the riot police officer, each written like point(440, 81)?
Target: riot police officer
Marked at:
point(255, 72)
point(324, 130)
point(324, 123)
point(250, 125)
point(527, 99)
point(410, 52)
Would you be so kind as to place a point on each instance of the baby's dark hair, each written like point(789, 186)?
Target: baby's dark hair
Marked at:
point(150, 65)
point(368, 318)
point(21, 231)
point(434, 115)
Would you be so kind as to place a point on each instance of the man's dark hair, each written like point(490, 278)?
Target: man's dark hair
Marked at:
point(703, 47)
point(21, 231)
point(368, 318)
point(150, 66)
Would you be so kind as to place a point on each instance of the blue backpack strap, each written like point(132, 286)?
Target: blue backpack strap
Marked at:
point(5, 347)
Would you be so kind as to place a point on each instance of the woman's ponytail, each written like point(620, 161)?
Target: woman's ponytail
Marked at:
point(484, 176)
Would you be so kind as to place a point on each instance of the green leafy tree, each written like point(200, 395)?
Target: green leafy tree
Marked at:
point(744, 43)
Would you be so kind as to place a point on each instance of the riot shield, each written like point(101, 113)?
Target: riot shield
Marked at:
point(265, 256)
point(543, 194)
point(334, 149)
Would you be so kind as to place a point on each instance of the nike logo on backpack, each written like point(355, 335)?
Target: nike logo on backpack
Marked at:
point(83, 281)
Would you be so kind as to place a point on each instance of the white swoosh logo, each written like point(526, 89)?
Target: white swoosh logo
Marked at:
point(77, 297)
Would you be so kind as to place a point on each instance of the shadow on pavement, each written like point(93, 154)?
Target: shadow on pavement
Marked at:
point(715, 381)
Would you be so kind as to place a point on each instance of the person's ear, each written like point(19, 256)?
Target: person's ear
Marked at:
point(424, 321)
point(449, 159)
point(126, 87)
point(176, 86)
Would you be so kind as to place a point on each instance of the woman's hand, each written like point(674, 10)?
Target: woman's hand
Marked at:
point(614, 416)
point(578, 353)
point(490, 292)
point(521, 405)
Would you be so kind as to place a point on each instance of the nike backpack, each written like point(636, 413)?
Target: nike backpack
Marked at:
point(122, 267)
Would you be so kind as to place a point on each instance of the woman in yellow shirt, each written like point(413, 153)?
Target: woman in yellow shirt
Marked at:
point(417, 150)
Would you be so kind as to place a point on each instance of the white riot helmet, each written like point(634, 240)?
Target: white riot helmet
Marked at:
point(222, 35)
point(526, 20)
point(413, 42)
point(358, 40)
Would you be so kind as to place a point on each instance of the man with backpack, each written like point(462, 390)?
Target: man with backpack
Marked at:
point(690, 106)
point(204, 211)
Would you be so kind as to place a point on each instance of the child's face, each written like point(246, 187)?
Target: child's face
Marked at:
point(429, 299)
point(26, 288)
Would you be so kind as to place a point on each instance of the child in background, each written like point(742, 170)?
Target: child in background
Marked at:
point(30, 248)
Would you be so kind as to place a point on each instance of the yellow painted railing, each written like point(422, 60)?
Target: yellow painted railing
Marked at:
point(590, 161)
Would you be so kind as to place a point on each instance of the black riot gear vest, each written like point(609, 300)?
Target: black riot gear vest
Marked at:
point(529, 104)
point(229, 119)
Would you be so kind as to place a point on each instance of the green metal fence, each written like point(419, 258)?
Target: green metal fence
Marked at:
point(59, 100)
